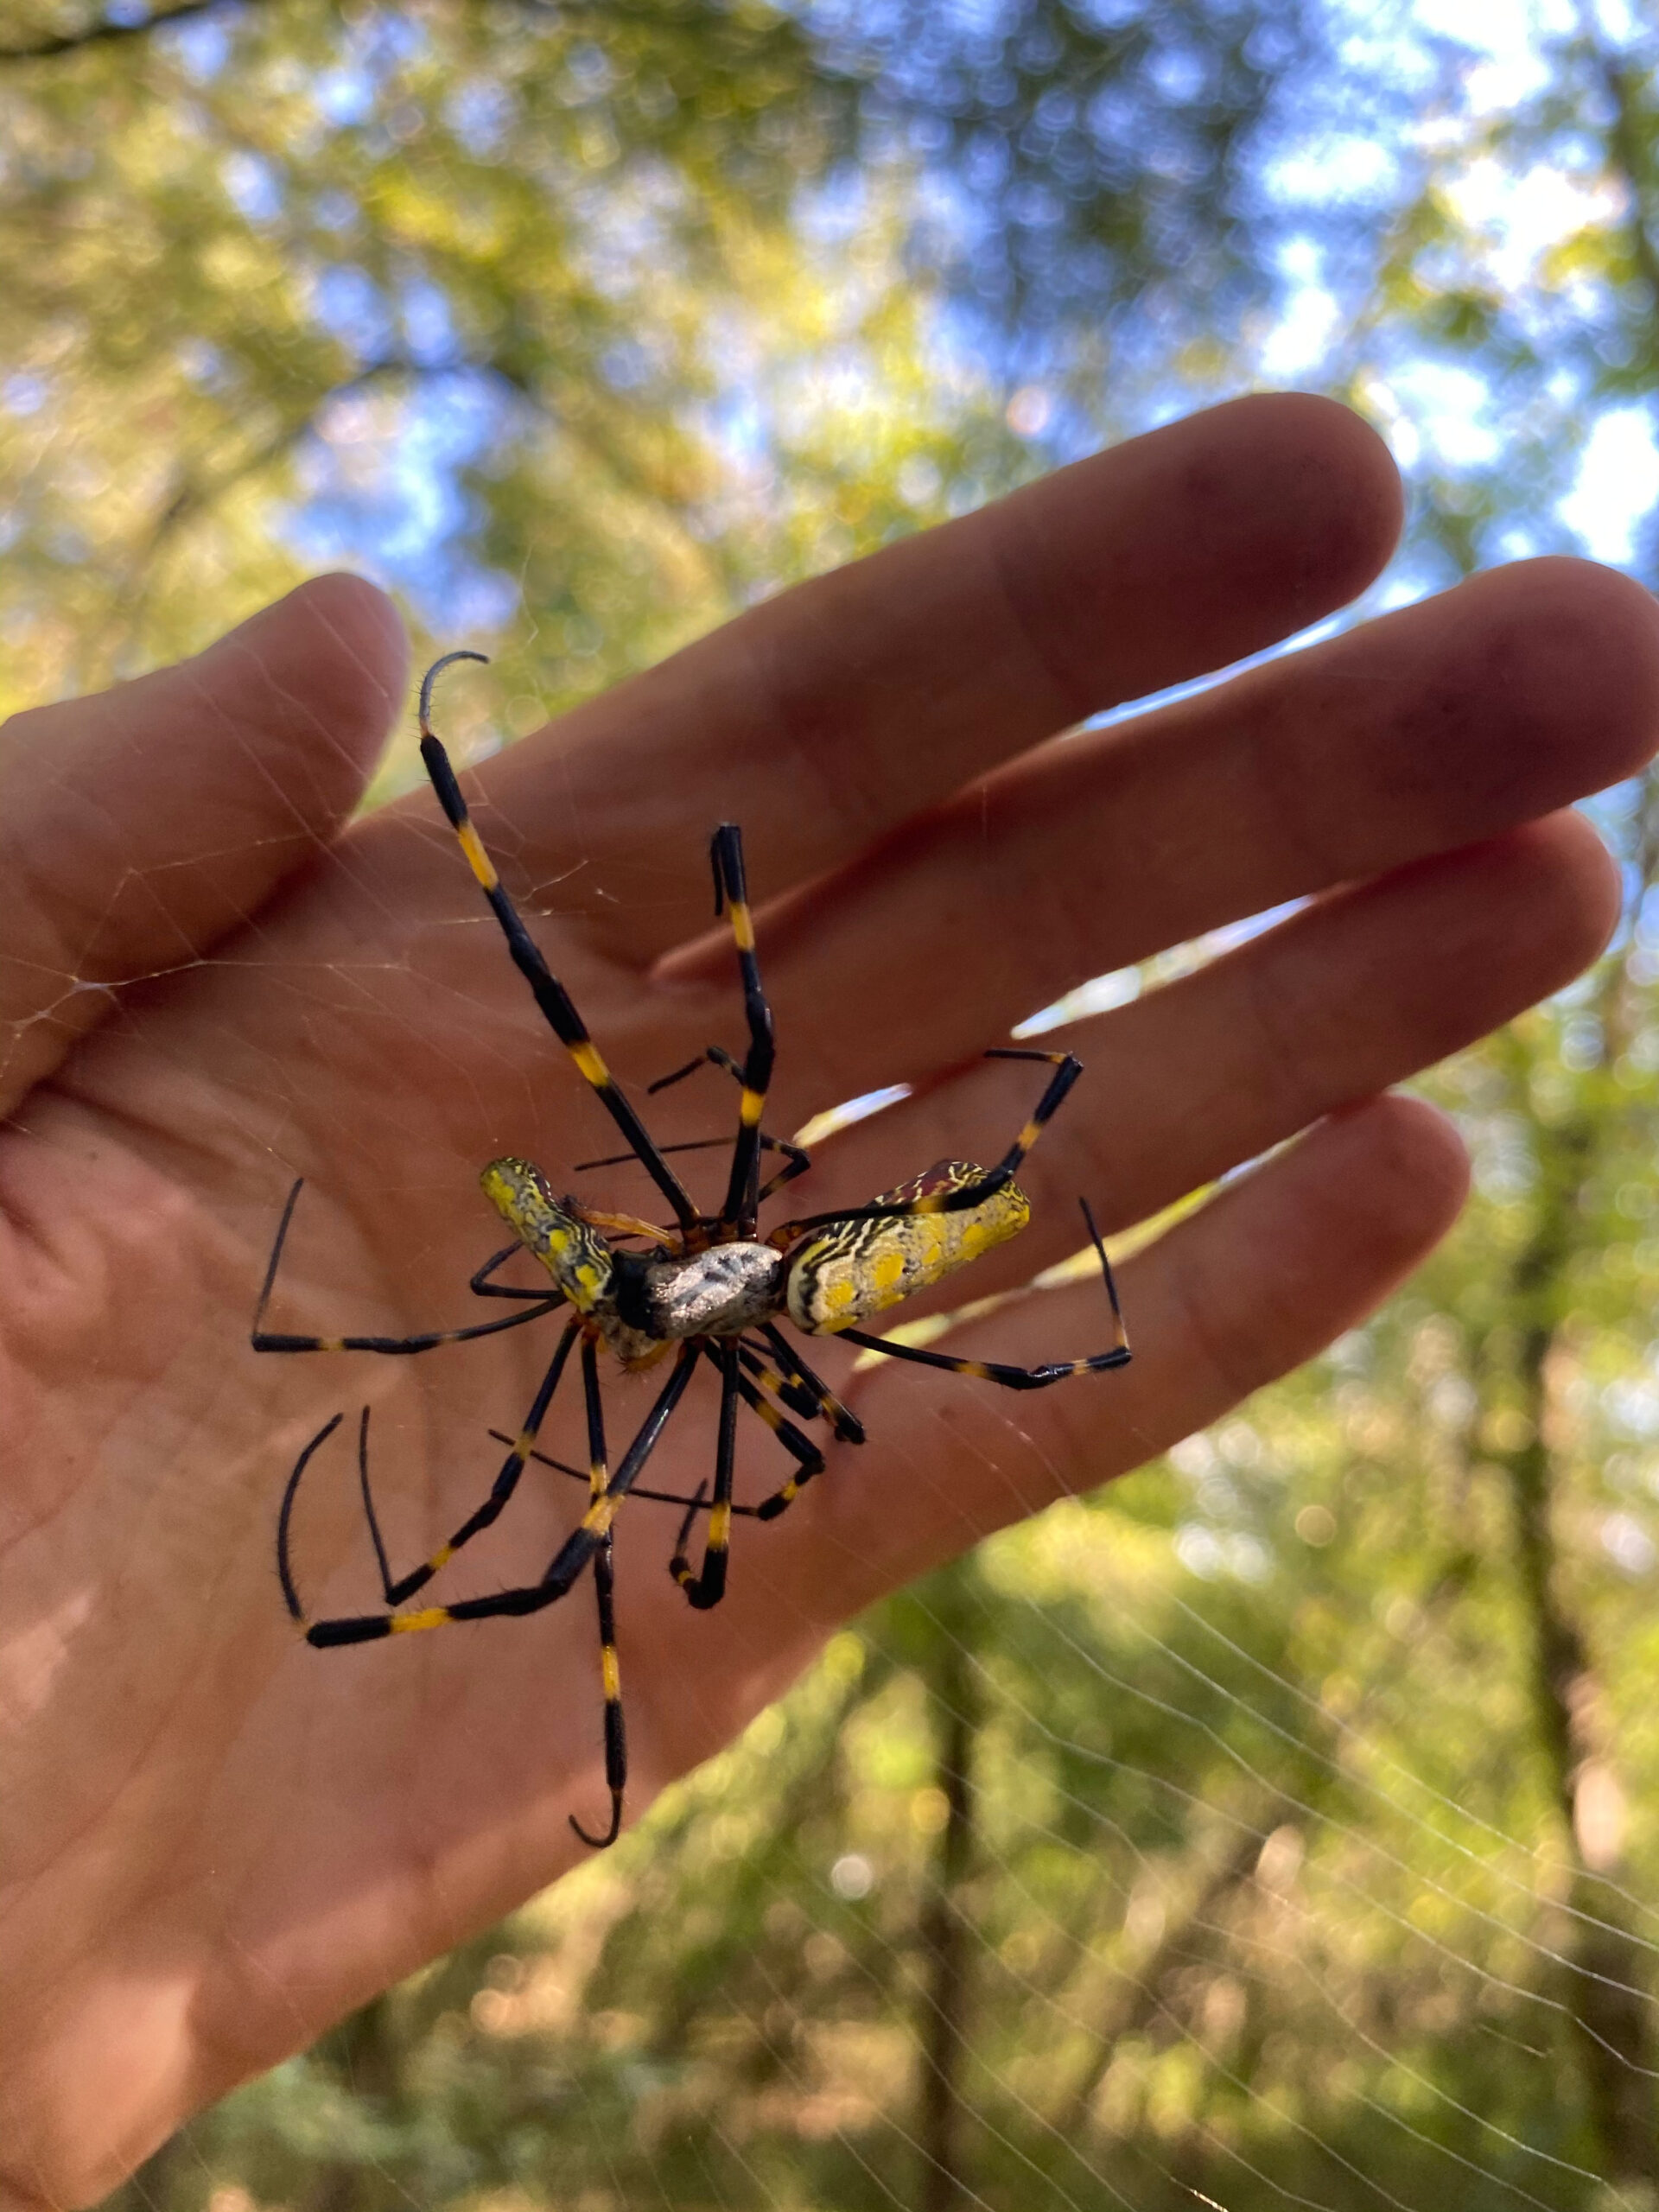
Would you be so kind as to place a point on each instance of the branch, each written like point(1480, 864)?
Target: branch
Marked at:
point(191, 498)
point(47, 49)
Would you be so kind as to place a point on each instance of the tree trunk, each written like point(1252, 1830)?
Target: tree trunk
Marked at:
point(1605, 1992)
point(946, 1943)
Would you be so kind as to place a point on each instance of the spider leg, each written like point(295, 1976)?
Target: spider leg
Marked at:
point(572, 1556)
point(1016, 1378)
point(657, 1496)
point(621, 1224)
point(809, 1460)
point(550, 994)
point(801, 1449)
point(957, 1198)
point(715, 1055)
point(481, 1287)
point(284, 1571)
point(616, 1742)
point(796, 1163)
point(743, 1193)
point(362, 1628)
point(616, 1748)
point(785, 1388)
point(583, 1541)
point(796, 1160)
point(847, 1424)
point(569, 1561)
point(708, 1587)
point(731, 891)
point(261, 1339)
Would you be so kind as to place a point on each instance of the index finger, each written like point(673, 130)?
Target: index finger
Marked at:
point(820, 719)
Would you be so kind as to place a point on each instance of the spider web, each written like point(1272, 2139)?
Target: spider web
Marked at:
point(1179, 1846)
point(1189, 1844)
point(1185, 1844)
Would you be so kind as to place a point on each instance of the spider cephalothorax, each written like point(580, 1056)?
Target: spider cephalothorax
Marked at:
point(711, 1289)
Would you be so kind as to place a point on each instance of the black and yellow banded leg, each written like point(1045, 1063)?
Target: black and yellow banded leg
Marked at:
point(809, 1460)
point(550, 994)
point(1066, 1071)
point(500, 1490)
point(707, 1588)
point(796, 1160)
point(1017, 1378)
point(616, 1741)
point(731, 893)
point(536, 1303)
point(957, 1198)
point(568, 1561)
point(845, 1423)
point(583, 1541)
point(700, 1502)
point(785, 1388)
point(365, 1628)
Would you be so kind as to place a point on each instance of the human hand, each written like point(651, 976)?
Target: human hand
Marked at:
point(217, 1840)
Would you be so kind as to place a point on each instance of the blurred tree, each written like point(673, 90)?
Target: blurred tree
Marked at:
point(536, 306)
point(1556, 1327)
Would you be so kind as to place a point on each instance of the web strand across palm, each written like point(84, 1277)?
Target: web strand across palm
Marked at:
point(213, 981)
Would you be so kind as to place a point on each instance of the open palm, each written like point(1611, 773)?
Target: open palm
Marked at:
point(216, 1839)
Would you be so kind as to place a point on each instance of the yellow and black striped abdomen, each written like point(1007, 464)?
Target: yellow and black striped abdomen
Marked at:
point(576, 1256)
point(849, 1270)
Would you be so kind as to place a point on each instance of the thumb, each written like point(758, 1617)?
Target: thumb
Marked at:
point(140, 825)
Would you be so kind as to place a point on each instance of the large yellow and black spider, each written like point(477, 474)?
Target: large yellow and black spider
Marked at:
point(709, 1289)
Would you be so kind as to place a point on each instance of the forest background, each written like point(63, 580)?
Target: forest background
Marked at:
point(1282, 1827)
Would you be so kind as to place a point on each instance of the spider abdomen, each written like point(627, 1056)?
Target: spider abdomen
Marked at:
point(853, 1269)
point(573, 1253)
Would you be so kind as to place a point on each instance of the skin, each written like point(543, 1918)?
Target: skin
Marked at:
point(217, 1840)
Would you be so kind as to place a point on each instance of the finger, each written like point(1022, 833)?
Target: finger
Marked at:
point(1234, 1297)
point(1432, 727)
point(1348, 996)
point(143, 824)
point(824, 717)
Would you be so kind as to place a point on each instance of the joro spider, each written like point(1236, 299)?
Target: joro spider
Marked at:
point(710, 1289)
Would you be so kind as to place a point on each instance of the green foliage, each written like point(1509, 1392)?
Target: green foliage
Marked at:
point(515, 302)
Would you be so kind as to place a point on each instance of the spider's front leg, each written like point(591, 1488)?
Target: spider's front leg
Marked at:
point(554, 1001)
point(731, 892)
